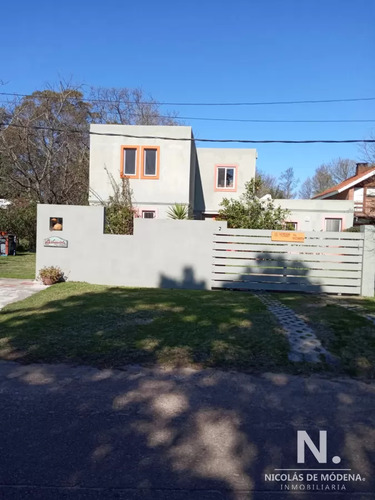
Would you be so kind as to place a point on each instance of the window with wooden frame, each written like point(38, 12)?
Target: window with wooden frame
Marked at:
point(150, 162)
point(130, 162)
point(225, 178)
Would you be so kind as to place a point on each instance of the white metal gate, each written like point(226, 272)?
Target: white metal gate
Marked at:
point(325, 262)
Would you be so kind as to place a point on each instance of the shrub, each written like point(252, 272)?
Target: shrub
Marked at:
point(178, 211)
point(250, 212)
point(50, 275)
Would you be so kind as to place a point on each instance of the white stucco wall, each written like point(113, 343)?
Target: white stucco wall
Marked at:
point(173, 184)
point(310, 215)
point(208, 159)
point(161, 253)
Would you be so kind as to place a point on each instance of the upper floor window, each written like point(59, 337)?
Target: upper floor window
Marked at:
point(225, 178)
point(129, 159)
point(147, 156)
point(150, 162)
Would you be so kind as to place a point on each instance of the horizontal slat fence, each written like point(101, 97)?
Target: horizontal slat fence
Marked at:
point(249, 260)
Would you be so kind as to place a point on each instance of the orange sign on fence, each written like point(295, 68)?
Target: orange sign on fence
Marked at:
point(288, 236)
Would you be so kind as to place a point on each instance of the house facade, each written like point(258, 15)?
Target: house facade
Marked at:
point(165, 167)
point(318, 215)
point(360, 189)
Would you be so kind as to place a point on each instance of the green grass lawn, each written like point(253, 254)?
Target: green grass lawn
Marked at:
point(21, 266)
point(346, 334)
point(108, 326)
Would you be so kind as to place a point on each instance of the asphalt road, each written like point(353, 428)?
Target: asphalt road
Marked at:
point(82, 433)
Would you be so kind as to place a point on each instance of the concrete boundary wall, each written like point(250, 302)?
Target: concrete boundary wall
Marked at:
point(191, 254)
point(161, 253)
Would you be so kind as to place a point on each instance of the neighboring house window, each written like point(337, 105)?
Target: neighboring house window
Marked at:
point(129, 166)
point(148, 214)
point(225, 178)
point(334, 225)
point(150, 162)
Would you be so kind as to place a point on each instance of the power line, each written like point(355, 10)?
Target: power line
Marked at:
point(251, 120)
point(162, 103)
point(194, 139)
point(266, 121)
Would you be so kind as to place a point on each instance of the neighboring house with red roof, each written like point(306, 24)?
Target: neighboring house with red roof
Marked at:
point(360, 188)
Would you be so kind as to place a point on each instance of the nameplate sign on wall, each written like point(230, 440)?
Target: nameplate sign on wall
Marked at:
point(290, 236)
point(56, 241)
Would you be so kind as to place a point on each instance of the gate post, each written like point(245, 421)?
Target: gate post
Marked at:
point(368, 265)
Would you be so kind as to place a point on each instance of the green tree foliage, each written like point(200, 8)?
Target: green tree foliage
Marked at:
point(44, 148)
point(19, 219)
point(252, 213)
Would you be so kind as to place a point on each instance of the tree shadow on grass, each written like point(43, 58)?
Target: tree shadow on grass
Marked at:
point(160, 433)
point(112, 327)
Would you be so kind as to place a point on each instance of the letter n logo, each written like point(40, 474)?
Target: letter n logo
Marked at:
point(319, 453)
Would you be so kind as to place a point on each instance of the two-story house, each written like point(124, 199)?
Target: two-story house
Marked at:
point(360, 188)
point(165, 167)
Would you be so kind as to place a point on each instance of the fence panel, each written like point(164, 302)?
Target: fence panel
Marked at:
point(324, 262)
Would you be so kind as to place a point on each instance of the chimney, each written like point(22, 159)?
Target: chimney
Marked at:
point(362, 168)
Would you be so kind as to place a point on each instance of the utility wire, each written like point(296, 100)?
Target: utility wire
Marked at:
point(266, 121)
point(193, 139)
point(251, 120)
point(161, 103)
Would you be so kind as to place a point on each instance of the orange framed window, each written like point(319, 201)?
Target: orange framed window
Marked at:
point(150, 164)
point(130, 162)
point(225, 178)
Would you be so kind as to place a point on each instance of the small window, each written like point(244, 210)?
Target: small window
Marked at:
point(129, 161)
point(225, 177)
point(291, 226)
point(55, 224)
point(150, 162)
point(148, 214)
point(333, 225)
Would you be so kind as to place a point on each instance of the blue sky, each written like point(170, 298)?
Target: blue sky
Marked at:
point(243, 50)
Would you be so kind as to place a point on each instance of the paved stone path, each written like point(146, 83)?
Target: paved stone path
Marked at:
point(357, 308)
point(12, 290)
point(304, 345)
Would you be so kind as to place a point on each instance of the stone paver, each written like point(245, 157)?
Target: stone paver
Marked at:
point(304, 345)
point(13, 290)
point(357, 308)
